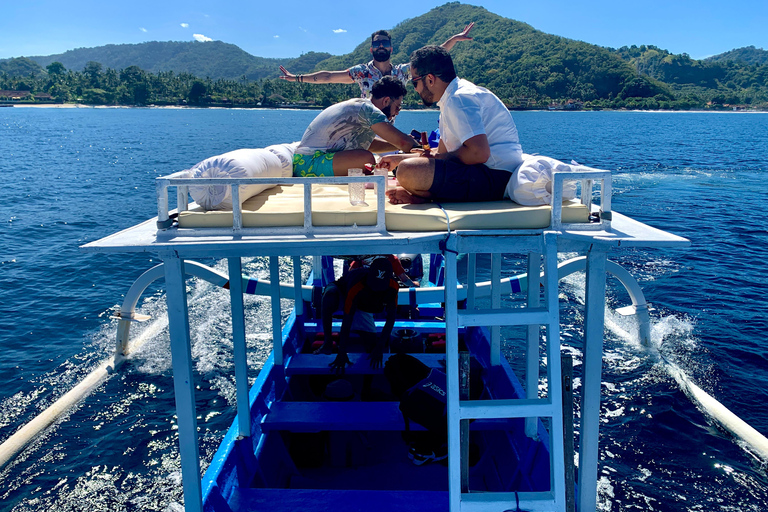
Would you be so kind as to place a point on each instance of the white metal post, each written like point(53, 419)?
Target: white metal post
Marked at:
point(183, 383)
point(452, 383)
point(592, 373)
point(495, 304)
point(238, 343)
point(277, 332)
point(298, 295)
point(532, 361)
point(297, 291)
point(471, 279)
point(554, 376)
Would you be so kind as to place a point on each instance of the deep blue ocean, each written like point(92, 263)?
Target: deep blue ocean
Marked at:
point(71, 176)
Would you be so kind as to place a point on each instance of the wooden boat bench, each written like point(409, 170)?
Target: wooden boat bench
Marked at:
point(351, 416)
point(319, 364)
point(329, 500)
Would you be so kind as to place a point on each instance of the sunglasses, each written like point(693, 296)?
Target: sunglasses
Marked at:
point(415, 79)
point(381, 44)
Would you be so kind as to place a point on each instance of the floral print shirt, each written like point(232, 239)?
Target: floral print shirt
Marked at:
point(367, 74)
point(342, 127)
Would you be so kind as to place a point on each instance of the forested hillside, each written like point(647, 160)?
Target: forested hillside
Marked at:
point(213, 59)
point(694, 81)
point(516, 61)
point(525, 67)
point(746, 55)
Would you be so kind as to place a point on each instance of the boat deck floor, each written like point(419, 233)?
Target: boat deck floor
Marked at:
point(370, 460)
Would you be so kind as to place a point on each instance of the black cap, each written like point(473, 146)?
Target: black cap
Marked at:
point(379, 274)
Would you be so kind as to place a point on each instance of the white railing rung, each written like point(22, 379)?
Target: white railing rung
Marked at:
point(487, 317)
point(497, 409)
point(497, 501)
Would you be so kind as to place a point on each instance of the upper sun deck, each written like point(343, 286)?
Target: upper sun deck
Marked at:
point(295, 219)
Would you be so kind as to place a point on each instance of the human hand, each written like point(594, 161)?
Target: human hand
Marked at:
point(387, 162)
point(462, 36)
point(339, 365)
point(286, 75)
point(391, 162)
point(377, 355)
point(426, 153)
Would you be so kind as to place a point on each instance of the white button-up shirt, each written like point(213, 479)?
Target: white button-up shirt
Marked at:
point(467, 110)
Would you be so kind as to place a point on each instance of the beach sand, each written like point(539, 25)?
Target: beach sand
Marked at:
point(49, 105)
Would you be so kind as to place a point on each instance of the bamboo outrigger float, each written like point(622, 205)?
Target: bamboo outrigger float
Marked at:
point(255, 468)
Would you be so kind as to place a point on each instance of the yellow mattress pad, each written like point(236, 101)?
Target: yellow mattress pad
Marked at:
point(283, 206)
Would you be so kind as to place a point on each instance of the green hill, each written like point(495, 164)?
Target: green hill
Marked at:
point(523, 66)
point(214, 59)
point(747, 55)
point(718, 81)
point(513, 59)
point(20, 67)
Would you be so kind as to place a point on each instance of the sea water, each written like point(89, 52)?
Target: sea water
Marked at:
point(71, 176)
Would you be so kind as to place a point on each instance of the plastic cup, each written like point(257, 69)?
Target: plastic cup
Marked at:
point(356, 190)
point(385, 173)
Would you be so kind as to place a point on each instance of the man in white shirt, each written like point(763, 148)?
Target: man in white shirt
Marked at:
point(479, 146)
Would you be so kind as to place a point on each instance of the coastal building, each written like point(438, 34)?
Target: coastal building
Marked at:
point(6, 95)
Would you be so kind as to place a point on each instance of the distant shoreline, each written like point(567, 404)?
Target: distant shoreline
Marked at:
point(185, 107)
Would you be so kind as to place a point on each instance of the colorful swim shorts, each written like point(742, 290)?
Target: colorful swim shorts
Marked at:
point(312, 166)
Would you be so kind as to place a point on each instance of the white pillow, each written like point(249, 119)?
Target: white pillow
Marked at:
point(241, 163)
point(531, 183)
point(285, 153)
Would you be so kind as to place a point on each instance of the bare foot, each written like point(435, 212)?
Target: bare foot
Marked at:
point(401, 196)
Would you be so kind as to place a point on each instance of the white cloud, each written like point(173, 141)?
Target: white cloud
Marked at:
point(143, 29)
point(201, 38)
point(339, 31)
point(185, 25)
point(276, 37)
point(302, 29)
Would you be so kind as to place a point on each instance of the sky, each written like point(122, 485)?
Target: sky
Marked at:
point(289, 28)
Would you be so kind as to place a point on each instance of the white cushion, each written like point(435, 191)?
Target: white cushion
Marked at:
point(531, 183)
point(285, 153)
point(241, 163)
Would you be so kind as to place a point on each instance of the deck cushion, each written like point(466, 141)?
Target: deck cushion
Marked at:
point(283, 206)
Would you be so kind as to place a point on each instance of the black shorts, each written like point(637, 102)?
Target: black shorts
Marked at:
point(457, 182)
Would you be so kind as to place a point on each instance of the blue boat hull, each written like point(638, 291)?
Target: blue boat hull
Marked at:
point(311, 453)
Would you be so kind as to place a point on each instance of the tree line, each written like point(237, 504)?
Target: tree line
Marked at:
point(133, 86)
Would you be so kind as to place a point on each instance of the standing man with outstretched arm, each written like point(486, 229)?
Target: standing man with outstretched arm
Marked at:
point(367, 74)
point(479, 146)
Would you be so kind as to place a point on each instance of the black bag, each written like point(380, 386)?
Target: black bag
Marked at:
point(421, 390)
point(425, 403)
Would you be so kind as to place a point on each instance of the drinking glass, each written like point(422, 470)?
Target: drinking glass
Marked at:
point(357, 190)
point(385, 173)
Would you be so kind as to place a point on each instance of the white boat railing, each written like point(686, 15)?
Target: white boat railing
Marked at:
point(179, 180)
point(601, 221)
point(588, 177)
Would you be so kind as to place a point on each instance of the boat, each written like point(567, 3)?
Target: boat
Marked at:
point(306, 438)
